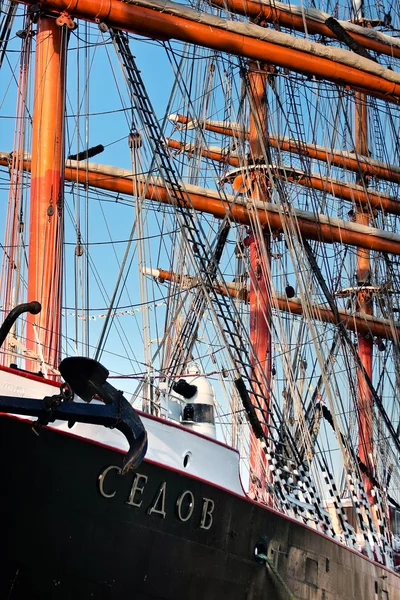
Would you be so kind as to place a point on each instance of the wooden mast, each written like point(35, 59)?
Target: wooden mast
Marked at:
point(46, 205)
point(14, 225)
point(259, 255)
point(364, 306)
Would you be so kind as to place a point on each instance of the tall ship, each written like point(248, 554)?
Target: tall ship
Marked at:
point(200, 296)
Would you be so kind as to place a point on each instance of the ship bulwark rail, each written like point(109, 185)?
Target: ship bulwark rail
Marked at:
point(320, 228)
point(164, 20)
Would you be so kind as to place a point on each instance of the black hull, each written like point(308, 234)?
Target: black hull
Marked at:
point(65, 540)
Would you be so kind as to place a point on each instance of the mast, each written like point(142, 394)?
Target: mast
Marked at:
point(364, 307)
point(364, 296)
point(11, 264)
point(259, 254)
point(46, 206)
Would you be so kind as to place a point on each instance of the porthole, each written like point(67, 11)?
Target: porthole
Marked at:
point(187, 459)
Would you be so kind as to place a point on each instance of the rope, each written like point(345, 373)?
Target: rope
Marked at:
point(277, 576)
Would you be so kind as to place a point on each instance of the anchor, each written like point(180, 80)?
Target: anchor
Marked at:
point(87, 379)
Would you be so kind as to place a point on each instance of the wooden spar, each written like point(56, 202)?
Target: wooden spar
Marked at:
point(356, 322)
point(314, 227)
point(356, 163)
point(272, 13)
point(349, 192)
point(45, 227)
point(260, 286)
point(161, 23)
point(365, 306)
point(214, 126)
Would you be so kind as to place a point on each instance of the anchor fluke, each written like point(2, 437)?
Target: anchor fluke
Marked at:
point(87, 378)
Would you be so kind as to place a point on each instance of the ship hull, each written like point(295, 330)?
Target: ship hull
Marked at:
point(74, 528)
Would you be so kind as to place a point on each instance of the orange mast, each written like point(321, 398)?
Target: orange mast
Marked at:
point(365, 306)
point(259, 254)
point(46, 206)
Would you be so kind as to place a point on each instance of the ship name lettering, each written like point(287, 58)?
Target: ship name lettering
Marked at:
point(102, 477)
point(185, 503)
point(206, 513)
point(137, 489)
point(179, 502)
point(159, 500)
